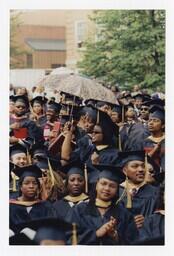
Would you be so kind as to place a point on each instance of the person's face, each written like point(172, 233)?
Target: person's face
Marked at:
point(106, 189)
point(115, 117)
point(19, 108)
point(155, 125)
point(97, 135)
point(130, 112)
point(135, 171)
point(138, 103)
point(37, 108)
point(50, 114)
point(136, 88)
point(88, 124)
point(52, 242)
point(20, 159)
point(75, 184)
point(150, 173)
point(144, 111)
point(29, 187)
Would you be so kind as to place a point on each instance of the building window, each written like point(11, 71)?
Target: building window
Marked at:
point(80, 32)
point(57, 65)
point(29, 60)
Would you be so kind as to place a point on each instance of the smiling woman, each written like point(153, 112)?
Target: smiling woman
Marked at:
point(101, 220)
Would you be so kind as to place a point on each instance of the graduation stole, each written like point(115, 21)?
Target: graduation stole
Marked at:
point(102, 204)
point(76, 199)
point(101, 147)
point(24, 203)
point(157, 140)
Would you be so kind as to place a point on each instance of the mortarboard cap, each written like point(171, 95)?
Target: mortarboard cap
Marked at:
point(126, 156)
point(43, 162)
point(138, 96)
point(110, 172)
point(30, 170)
point(39, 99)
point(73, 167)
point(48, 229)
point(54, 106)
point(90, 102)
point(21, 98)
point(157, 112)
point(117, 108)
point(17, 148)
point(38, 149)
point(21, 239)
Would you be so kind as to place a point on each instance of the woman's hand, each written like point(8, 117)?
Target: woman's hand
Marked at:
point(107, 228)
point(139, 220)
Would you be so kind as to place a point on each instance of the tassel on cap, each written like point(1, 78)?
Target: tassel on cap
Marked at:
point(86, 179)
point(51, 173)
point(74, 234)
point(28, 158)
point(119, 143)
point(129, 197)
point(122, 114)
point(14, 178)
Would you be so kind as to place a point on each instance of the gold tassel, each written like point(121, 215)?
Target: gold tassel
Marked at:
point(119, 142)
point(74, 234)
point(98, 117)
point(51, 173)
point(14, 182)
point(145, 166)
point(122, 114)
point(129, 197)
point(86, 179)
point(29, 158)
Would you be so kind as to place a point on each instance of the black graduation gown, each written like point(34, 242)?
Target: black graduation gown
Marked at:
point(88, 219)
point(132, 136)
point(152, 231)
point(64, 209)
point(18, 213)
point(145, 201)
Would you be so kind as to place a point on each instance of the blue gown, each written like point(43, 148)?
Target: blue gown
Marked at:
point(145, 201)
point(88, 219)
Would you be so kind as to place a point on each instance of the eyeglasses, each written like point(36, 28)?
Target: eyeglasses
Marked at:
point(146, 109)
point(96, 132)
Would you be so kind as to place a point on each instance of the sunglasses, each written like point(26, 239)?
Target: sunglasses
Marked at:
point(146, 109)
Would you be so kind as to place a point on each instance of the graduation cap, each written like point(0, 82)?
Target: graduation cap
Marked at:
point(16, 149)
point(76, 167)
point(101, 103)
point(21, 98)
point(155, 102)
point(138, 96)
point(110, 172)
point(127, 156)
point(39, 99)
point(12, 98)
point(157, 112)
point(46, 162)
point(117, 108)
point(90, 102)
point(30, 170)
point(54, 106)
point(70, 99)
point(49, 229)
point(38, 149)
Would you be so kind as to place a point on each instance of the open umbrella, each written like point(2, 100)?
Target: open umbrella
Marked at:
point(86, 88)
point(52, 80)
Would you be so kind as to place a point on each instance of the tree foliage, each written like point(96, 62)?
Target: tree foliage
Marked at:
point(16, 50)
point(129, 49)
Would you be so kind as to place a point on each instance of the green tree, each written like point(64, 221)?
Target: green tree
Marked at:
point(130, 48)
point(16, 50)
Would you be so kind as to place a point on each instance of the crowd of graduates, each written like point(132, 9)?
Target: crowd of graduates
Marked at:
point(86, 172)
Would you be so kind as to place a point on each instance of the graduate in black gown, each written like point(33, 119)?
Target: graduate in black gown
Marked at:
point(101, 221)
point(21, 127)
point(28, 206)
point(140, 198)
point(75, 186)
